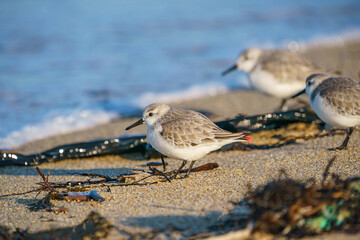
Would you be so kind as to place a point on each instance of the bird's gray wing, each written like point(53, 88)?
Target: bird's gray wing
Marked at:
point(189, 131)
point(287, 67)
point(342, 93)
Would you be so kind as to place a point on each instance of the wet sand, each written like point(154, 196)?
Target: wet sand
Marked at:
point(189, 205)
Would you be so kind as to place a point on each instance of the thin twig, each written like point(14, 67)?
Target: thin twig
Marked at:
point(93, 175)
point(44, 179)
point(157, 172)
point(21, 193)
point(326, 172)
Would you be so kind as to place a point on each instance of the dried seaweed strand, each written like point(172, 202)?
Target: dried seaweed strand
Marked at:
point(281, 143)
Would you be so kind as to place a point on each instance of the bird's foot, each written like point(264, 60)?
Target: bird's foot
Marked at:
point(184, 176)
point(341, 147)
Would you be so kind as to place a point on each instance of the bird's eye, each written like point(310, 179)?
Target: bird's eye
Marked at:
point(150, 114)
point(308, 83)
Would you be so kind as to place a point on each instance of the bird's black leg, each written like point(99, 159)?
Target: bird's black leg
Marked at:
point(282, 105)
point(346, 140)
point(189, 170)
point(163, 162)
point(179, 169)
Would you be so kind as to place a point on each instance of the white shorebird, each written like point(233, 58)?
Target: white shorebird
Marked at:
point(336, 100)
point(184, 134)
point(275, 72)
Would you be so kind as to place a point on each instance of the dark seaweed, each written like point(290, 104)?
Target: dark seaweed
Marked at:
point(139, 145)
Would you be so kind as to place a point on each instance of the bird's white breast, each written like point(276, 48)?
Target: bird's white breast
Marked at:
point(328, 113)
point(267, 83)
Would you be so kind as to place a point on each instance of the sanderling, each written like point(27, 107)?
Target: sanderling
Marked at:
point(184, 134)
point(275, 72)
point(336, 100)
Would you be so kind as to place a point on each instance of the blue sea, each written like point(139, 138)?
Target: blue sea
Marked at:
point(68, 65)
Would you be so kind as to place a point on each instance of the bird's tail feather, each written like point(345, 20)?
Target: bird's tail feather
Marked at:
point(235, 137)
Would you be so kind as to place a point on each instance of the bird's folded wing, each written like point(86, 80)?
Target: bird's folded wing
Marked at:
point(186, 132)
point(344, 95)
point(288, 67)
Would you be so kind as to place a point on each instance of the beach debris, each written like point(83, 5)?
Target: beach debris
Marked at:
point(53, 194)
point(287, 207)
point(155, 164)
point(269, 121)
point(93, 227)
point(125, 145)
point(84, 196)
point(290, 208)
point(285, 136)
point(61, 210)
point(115, 146)
point(205, 167)
point(79, 190)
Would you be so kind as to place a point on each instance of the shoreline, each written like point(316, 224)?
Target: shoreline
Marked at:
point(334, 55)
point(340, 56)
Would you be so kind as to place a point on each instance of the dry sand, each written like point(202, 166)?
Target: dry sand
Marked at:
point(189, 205)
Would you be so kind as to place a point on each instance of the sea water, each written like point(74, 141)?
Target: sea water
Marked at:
point(68, 65)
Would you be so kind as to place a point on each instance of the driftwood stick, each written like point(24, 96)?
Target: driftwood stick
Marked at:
point(206, 167)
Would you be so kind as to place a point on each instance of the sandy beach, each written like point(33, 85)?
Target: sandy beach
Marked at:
point(183, 207)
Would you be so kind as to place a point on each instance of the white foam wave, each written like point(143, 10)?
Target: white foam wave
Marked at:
point(193, 92)
point(56, 124)
point(66, 121)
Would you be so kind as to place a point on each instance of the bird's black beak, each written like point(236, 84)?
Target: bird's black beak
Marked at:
point(230, 69)
point(299, 93)
point(137, 123)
